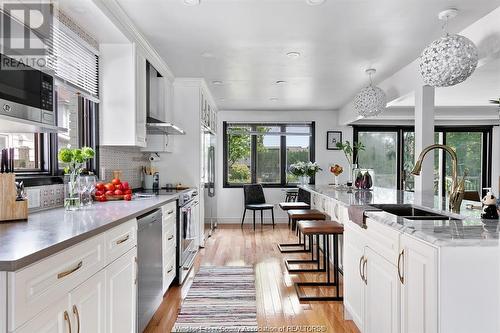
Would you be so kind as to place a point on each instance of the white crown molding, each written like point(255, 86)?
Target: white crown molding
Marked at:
point(117, 15)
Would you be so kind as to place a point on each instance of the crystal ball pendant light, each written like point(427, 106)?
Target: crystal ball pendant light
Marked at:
point(449, 60)
point(370, 101)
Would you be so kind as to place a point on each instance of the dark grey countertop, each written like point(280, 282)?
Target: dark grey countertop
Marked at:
point(50, 231)
point(468, 230)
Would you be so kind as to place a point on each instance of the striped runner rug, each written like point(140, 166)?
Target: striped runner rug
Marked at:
point(221, 299)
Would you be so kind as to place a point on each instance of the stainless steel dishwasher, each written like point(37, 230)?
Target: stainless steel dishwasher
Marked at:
point(150, 266)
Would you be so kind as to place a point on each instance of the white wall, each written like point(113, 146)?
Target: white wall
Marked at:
point(230, 200)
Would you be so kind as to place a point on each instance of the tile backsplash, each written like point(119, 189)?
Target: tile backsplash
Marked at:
point(127, 159)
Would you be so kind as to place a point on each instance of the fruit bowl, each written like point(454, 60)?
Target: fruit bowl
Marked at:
point(113, 191)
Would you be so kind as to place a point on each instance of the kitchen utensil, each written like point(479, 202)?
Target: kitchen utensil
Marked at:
point(21, 195)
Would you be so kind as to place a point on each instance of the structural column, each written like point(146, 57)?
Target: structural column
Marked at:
point(424, 136)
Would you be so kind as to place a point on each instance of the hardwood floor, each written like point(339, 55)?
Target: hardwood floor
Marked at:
point(277, 303)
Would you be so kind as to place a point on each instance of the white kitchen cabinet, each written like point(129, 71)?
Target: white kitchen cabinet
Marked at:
point(419, 279)
point(382, 295)
point(354, 285)
point(87, 304)
point(56, 318)
point(122, 72)
point(121, 294)
point(169, 244)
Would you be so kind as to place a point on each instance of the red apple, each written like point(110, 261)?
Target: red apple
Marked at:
point(128, 191)
point(127, 197)
point(116, 181)
point(99, 193)
point(118, 192)
point(109, 193)
point(100, 186)
point(109, 187)
point(125, 185)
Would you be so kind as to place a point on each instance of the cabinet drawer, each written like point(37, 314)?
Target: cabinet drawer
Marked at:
point(168, 273)
point(169, 210)
point(32, 289)
point(383, 240)
point(120, 239)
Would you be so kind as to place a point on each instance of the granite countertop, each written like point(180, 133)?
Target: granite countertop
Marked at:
point(50, 231)
point(467, 229)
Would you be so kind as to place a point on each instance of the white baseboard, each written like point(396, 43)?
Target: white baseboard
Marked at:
point(237, 220)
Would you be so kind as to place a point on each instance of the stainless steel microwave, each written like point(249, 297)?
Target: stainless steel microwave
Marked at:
point(25, 92)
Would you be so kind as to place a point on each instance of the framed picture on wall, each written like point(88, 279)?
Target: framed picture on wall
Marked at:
point(332, 138)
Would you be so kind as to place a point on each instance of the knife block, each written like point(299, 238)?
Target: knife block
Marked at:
point(10, 209)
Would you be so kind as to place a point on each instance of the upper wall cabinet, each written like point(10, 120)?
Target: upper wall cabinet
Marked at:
point(122, 71)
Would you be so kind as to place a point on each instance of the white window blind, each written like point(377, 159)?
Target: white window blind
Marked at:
point(72, 61)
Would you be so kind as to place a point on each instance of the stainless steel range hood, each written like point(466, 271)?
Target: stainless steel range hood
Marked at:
point(154, 126)
point(156, 122)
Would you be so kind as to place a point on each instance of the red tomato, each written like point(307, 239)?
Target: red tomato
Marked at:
point(118, 192)
point(110, 193)
point(99, 193)
point(119, 187)
point(116, 181)
point(128, 191)
point(102, 198)
point(100, 186)
point(128, 197)
point(125, 185)
point(109, 187)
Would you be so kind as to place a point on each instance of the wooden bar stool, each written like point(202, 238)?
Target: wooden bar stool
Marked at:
point(325, 229)
point(295, 215)
point(317, 261)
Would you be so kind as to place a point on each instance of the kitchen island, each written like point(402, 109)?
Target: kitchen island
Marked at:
point(63, 271)
point(404, 275)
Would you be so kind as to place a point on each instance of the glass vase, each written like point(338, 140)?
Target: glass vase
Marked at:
point(363, 178)
point(72, 199)
point(304, 180)
point(87, 187)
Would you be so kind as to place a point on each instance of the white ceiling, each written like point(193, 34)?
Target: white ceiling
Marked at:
point(483, 85)
point(90, 18)
point(244, 44)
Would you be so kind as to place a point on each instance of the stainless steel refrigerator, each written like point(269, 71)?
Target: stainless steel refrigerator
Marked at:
point(209, 183)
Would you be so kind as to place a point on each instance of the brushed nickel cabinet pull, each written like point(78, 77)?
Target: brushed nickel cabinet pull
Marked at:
point(66, 318)
point(171, 268)
point(365, 277)
point(171, 237)
point(401, 277)
point(75, 312)
point(123, 240)
point(170, 212)
point(68, 272)
point(361, 260)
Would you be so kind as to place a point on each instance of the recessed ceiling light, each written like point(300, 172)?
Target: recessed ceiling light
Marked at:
point(217, 83)
point(192, 2)
point(207, 55)
point(293, 54)
point(280, 82)
point(315, 2)
point(273, 99)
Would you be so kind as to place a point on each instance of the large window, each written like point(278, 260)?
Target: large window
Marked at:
point(263, 153)
point(390, 151)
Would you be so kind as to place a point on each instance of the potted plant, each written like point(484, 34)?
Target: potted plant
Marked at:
point(74, 159)
point(304, 170)
point(348, 152)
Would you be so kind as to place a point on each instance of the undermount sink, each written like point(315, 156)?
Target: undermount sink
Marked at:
point(412, 213)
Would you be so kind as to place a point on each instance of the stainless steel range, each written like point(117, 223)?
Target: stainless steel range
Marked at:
point(187, 232)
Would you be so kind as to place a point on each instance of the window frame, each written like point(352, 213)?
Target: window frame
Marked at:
point(253, 153)
point(486, 154)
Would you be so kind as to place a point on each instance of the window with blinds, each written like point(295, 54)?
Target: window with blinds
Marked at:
point(72, 61)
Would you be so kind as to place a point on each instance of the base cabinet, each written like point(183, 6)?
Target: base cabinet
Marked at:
point(419, 300)
point(354, 285)
point(382, 297)
point(51, 320)
point(121, 299)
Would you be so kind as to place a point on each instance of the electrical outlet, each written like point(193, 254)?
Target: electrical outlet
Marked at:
point(33, 196)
